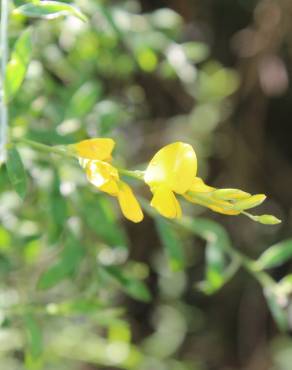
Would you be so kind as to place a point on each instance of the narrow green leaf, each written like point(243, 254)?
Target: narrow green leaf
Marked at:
point(138, 290)
point(83, 100)
point(58, 209)
point(132, 286)
point(16, 172)
point(171, 243)
point(275, 255)
point(17, 66)
point(69, 261)
point(215, 266)
point(34, 336)
point(49, 10)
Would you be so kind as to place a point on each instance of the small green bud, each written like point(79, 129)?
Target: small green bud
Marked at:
point(251, 202)
point(267, 219)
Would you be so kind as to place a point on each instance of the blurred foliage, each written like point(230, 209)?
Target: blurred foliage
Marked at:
point(80, 287)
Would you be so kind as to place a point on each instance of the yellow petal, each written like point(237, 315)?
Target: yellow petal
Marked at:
point(110, 187)
point(100, 148)
point(128, 203)
point(221, 209)
point(174, 166)
point(165, 202)
point(199, 186)
point(103, 175)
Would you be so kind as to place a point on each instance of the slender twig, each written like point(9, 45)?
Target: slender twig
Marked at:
point(43, 147)
point(61, 150)
point(4, 56)
point(136, 174)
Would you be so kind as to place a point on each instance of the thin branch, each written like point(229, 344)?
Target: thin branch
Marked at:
point(4, 56)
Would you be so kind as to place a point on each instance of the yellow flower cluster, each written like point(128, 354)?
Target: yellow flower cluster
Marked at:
point(95, 157)
point(172, 171)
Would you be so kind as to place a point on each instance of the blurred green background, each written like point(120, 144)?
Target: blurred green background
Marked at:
point(83, 289)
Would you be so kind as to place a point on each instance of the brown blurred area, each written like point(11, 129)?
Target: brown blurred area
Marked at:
point(251, 150)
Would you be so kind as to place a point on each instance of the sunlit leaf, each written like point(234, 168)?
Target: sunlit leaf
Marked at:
point(16, 172)
point(17, 66)
point(49, 10)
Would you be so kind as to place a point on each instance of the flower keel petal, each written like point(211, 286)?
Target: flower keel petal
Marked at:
point(128, 203)
point(165, 202)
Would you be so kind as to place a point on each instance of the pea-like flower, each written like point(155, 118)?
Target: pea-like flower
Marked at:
point(94, 156)
point(171, 171)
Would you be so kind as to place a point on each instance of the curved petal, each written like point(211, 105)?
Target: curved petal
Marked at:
point(99, 149)
point(220, 209)
point(110, 187)
point(165, 202)
point(103, 175)
point(128, 203)
point(199, 186)
point(174, 166)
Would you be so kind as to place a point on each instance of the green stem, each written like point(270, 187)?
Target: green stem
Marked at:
point(139, 175)
point(43, 147)
point(4, 57)
point(61, 150)
point(249, 265)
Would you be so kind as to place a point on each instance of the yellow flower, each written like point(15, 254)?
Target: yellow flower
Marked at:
point(94, 156)
point(171, 170)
